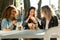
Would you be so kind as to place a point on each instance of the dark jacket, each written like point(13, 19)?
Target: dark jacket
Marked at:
point(53, 22)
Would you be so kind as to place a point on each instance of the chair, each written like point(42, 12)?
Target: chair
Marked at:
point(52, 32)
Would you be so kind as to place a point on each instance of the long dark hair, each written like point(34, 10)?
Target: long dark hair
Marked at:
point(30, 21)
point(29, 11)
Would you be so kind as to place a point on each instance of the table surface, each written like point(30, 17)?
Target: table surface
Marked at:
point(22, 34)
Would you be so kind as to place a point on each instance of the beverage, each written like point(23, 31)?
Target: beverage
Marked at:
point(20, 28)
point(36, 27)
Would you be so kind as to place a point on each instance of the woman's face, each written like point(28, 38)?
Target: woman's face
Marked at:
point(13, 13)
point(43, 15)
point(32, 12)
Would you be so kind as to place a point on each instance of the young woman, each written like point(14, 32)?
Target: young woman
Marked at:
point(48, 17)
point(30, 19)
point(9, 16)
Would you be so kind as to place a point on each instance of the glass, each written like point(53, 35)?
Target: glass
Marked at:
point(19, 26)
point(33, 26)
point(36, 27)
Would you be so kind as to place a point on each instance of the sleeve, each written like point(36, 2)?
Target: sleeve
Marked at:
point(4, 24)
point(55, 21)
point(42, 23)
point(11, 25)
point(39, 24)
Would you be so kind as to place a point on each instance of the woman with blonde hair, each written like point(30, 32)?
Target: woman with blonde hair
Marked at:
point(48, 17)
point(9, 16)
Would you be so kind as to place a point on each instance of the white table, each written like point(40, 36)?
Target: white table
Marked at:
point(22, 34)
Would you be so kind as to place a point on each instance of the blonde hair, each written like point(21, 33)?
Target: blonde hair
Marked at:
point(48, 11)
point(53, 12)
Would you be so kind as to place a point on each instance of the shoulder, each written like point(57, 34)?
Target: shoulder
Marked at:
point(4, 20)
point(54, 17)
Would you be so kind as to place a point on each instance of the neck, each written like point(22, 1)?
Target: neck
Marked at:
point(47, 18)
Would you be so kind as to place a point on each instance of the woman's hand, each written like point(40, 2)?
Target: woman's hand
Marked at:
point(28, 19)
point(7, 29)
point(34, 19)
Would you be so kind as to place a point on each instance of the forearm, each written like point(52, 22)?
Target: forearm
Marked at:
point(7, 29)
point(27, 20)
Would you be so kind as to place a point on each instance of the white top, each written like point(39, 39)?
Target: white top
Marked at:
point(47, 23)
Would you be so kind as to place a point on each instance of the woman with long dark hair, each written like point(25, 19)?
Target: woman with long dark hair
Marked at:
point(31, 19)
